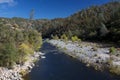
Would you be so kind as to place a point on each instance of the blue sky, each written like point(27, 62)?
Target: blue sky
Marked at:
point(44, 8)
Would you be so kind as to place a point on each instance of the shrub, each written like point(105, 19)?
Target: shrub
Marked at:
point(75, 38)
point(64, 37)
point(35, 39)
point(19, 37)
point(16, 44)
point(26, 48)
point(115, 69)
point(55, 37)
point(8, 54)
point(37, 43)
point(112, 50)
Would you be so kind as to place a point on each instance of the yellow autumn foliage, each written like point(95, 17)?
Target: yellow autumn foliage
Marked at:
point(26, 48)
point(75, 38)
point(64, 37)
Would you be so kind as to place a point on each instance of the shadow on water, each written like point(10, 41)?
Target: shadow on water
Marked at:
point(58, 66)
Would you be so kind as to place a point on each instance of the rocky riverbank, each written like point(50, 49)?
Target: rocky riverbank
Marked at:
point(93, 54)
point(18, 71)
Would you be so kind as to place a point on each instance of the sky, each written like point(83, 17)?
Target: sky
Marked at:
point(44, 9)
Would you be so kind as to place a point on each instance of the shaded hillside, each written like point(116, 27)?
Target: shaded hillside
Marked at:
point(97, 22)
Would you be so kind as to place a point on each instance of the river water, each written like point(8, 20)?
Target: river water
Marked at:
point(58, 66)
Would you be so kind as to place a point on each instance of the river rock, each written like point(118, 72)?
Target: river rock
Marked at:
point(89, 53)
point(14, 74)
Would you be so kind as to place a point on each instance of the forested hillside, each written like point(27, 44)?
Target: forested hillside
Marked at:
point(17, 41)
point(94, 23)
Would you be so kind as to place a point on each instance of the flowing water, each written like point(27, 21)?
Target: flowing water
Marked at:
point(58, 66)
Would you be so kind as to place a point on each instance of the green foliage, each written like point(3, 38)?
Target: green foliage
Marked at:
point(55, 37)
point(8, 54)
point(103, 30)
point(19, 37)
point(75, 38)
point(94, 23)
point(35, 39)
point(64, 37)
point(25, 48)
point(16, 44)
point(112, 50)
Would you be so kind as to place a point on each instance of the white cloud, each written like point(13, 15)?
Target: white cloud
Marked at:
point(6, 1)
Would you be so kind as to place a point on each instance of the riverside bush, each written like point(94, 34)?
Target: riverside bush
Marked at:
point(75, 38)
point(64, 37)
point(26, 49)
point(16, 44)
point(115, 69)
point(112, 50)
point(34, 39)
point(55, 37)
point(8, 54)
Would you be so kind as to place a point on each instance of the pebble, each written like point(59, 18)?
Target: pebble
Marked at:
point(14, 74)
point(85, 53)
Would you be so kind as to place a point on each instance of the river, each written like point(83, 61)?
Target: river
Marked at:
point(59, 66)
